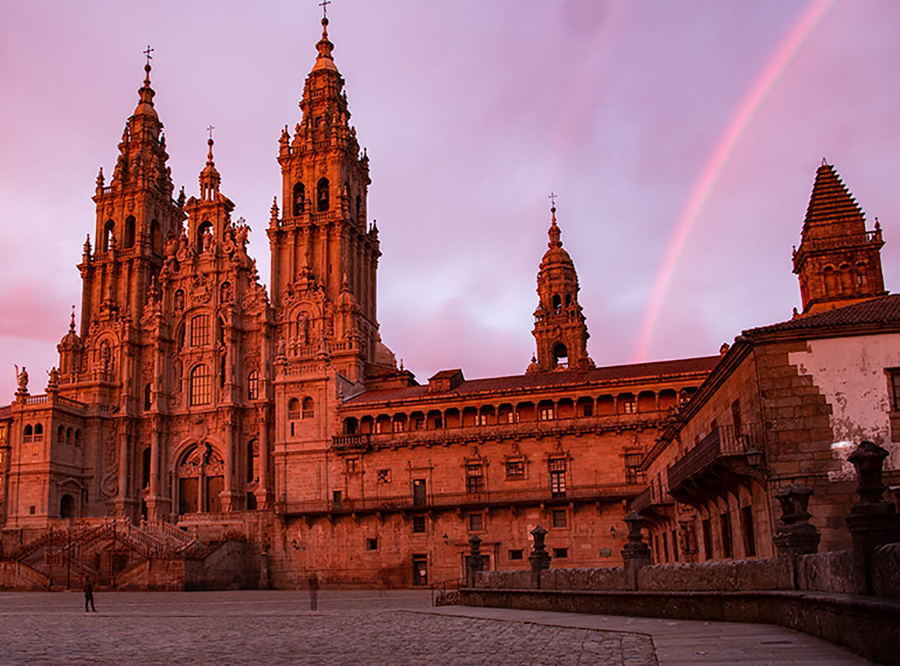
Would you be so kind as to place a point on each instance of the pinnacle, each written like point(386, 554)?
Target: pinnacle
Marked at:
point(832, 209)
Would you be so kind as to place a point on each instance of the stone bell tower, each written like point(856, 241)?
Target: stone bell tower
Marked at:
point(324, 252)
point(559, 325)
point(838, 261)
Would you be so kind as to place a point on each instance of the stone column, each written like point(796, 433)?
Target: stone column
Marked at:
point(873, 520)
point(228, 493)
point(123, 473)
point(636, 553)
point(263, 490)
point(796, 536)
point(153, 496)
point(539, 558)
point(476, 560)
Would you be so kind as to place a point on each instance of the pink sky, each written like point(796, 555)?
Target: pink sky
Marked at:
point(472, 112)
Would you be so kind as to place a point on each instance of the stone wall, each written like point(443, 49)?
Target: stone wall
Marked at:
point(770, 574)
point(834, 571)
point(886, 571)
point(609, 578)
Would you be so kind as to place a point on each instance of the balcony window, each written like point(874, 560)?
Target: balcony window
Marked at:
point(474, 478)
point(557, 468)
point(476, 522)
point(560, 519)
point(515, 469)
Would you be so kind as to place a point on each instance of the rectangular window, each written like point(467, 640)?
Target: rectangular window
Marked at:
point(200, 386)
point(253, 385)
point(560, 518)
point(517, 554)
point(629, 407)
point(560, 553)
point(337, 497)
point(606, 552)
point(31, 510)
point(474, 478)
point(747, 529)
point(895, 386)
point(418, 524)
point(558, 477)
point(587, 409)
point(675, 544)
point(515, 469)
point(200, 331)
point(418, 424)
point(633, 467)
point(546, 414)
point(476, 522)
point(372, 544)
point(383, 476)
point(352, 465)
point(481, 419)
point(35, 450)
point(397, 426)
point(707, 539)
point(726, 535)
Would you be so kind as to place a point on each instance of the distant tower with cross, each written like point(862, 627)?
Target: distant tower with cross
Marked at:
point(559, 330)
point(135, 213)
point(324, 249)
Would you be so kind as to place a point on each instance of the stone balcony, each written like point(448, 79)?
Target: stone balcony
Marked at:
point(725, 458)
point(460, 501)
point(582, 425)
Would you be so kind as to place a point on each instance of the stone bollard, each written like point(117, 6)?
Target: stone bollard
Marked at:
point(636, 553)
point(796, 536)
point(539, 558)
point(873, 520)
point(476, 560)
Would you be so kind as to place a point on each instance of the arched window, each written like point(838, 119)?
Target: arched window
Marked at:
point(200, 385)
point(28, 434)
point(846, 279)
point(252, 459)
point(322, 195)
point(109, 231)
point(60, 434)
point(201, 480)
point(77, 438)
point(560, 354)
point(253, 385)
point(293, 409)
point(830, 281)
point(308, 409)
point(299, 201)
point(69, 436)
point(129, 232)
point(351, 426)
point(148, 396)
point(557, 303)
point(39, 433)
point(155, 237)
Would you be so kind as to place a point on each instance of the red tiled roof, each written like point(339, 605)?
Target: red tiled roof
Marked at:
point(6, 413)
point(883, 310)
point(546, 380)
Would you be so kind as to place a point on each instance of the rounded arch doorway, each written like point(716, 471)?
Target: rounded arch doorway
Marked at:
point(201, 480)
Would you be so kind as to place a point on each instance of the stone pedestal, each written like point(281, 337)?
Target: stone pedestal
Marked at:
point(539, 558)
point(636, 553)
point(476, 560)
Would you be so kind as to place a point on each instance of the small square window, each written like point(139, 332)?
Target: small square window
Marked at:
point(606, 552)
point(31, 510)
point(383, 476)
point(516, 554)
point(515, 469)
point(372, 544)
point(560, 518)
point(476, 522)
point(418, 524)
point(560, 553)
point(352, 465)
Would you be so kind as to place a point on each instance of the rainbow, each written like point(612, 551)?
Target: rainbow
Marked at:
point(751, 103)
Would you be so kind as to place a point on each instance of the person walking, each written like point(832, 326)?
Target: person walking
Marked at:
point(88, 594)
point(313, 585)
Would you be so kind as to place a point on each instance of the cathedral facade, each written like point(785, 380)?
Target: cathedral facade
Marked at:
point(192, 400)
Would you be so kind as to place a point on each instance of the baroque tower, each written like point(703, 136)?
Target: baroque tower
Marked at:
point(838, 261)
point(324, 254)
point(559, 324)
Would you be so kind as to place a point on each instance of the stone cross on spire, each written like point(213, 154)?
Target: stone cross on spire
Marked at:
point(324, 5)
point(148, 52)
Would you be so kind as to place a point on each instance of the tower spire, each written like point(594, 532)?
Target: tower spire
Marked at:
point(559, 330)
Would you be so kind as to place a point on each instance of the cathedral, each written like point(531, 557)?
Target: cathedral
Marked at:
point(249, 435)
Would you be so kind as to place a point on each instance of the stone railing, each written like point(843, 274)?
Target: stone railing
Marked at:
point(600, 492)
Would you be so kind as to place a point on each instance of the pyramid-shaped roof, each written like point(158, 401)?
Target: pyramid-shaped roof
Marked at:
point(832, 210)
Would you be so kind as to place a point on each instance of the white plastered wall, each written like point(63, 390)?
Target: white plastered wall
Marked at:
point(851, 374)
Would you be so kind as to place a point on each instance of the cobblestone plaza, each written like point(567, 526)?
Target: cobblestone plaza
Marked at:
point(365, 627)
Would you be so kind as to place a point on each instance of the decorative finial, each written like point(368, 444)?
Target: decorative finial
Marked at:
point(72, 321)
point(824, 162)
point(209, 157)
point(324, 5)
point(554, 232)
